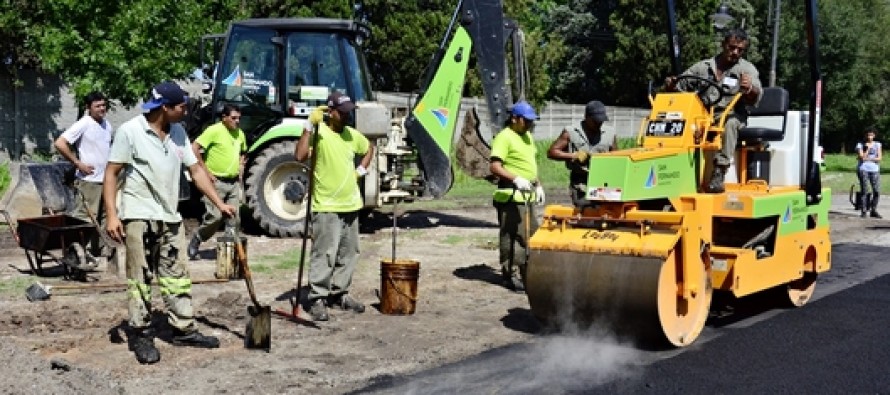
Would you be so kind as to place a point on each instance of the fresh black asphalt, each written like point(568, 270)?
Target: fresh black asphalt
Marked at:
point(837, 344)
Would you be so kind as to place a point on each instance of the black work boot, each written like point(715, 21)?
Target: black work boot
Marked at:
point(194, 245)
point(715, 185)
point(193, 339)
point(142, 344)
point(348, 303)
point(319, 311)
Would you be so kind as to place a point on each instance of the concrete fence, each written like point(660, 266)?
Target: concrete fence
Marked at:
point(554, 116)
point(35, 112)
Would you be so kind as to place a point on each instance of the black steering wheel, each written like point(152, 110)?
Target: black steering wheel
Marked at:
point(702, 87)
point(242, 97)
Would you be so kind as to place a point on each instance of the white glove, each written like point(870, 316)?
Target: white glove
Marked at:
point(360, 171)
point(539, 195)
point(522, 184)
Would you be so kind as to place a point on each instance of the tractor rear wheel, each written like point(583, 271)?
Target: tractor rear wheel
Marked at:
point(277, 187)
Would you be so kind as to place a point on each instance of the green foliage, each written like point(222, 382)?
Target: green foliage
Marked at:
point(285, 261)
point(576, 50)
point(399, 65)
point(839, 173)
point(5, 178)
point(853, 64)
point(15, 285)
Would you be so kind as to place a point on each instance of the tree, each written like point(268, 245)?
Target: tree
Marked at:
point(122, 48)
point(854, 65)
point(616, 48)
point(16, 47)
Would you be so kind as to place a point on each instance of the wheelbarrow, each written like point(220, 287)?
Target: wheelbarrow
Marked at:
point(41, 236)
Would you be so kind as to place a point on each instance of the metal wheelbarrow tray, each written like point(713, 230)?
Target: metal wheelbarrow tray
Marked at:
point(39, 235)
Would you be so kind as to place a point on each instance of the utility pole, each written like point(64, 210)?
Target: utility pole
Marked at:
point(772, 68)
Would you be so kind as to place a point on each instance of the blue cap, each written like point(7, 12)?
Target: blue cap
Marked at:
point(525, 110)
point(165, 93)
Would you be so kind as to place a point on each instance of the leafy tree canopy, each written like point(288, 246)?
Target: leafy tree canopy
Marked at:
point(577, 50)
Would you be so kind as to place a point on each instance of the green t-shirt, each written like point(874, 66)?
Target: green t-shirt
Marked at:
point(223, 149)
point(336, 185)
point(517, 153)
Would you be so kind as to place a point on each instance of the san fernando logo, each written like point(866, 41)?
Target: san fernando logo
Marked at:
point(652, 179)
point(441, 115)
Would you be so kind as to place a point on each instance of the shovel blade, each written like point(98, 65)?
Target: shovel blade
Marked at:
point(258, 334)
point(37, 292)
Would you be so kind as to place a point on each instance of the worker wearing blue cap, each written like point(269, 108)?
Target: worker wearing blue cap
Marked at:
point(148, 155)
point(513, 154)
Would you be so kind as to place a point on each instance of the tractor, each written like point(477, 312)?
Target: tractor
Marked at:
point(276, 71)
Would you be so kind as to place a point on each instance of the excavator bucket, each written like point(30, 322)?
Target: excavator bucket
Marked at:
point(472, 151)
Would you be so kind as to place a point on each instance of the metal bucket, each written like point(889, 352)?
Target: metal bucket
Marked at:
point(398, 286)
point(226, 258)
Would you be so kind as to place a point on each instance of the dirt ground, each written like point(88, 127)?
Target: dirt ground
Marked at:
point(76, 342)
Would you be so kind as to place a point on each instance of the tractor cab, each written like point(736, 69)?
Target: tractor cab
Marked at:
point(276, 68)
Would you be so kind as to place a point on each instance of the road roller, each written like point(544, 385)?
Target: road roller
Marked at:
point(646, 256)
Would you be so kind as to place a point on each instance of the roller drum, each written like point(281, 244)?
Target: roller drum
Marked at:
point(636, 297)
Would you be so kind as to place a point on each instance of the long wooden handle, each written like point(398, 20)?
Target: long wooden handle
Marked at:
point(241, 256)
point(122, 285)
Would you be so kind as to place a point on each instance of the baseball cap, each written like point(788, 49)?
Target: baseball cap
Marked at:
point(596, 110)
point(165, 93)
point(340, 102)
point(525, 110)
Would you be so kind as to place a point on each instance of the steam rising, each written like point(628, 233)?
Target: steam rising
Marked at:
point(550, 364)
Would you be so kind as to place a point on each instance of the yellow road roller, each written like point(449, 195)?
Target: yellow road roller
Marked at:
point(645, 257)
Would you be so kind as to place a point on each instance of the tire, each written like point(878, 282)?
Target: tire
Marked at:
point(277, 187)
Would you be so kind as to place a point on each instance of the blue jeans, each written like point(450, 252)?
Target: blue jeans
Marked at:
point(872, 179)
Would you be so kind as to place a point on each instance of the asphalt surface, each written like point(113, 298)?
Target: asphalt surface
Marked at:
point(834, 344)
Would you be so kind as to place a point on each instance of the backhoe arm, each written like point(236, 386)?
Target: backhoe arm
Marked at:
point(433, 119)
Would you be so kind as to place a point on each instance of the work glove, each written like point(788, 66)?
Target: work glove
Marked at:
point(581, 156)
point(539, 195)
point(522, 184)
point(360, 172)
point(317, 115)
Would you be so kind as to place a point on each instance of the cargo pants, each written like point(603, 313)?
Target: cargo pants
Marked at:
point(230, 193)
point(157, 248)
point(730, 138)
point(513, 237)
point(334, 254)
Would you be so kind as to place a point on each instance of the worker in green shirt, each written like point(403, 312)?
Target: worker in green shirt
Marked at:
point(513, 162)
point(336, 201)
point(224, 146)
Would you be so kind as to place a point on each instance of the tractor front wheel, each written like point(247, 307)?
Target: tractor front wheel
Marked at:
point(277, 187)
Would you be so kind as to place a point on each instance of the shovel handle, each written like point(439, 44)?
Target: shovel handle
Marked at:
point(245, 270)
point(9, 223)
point(123, 285)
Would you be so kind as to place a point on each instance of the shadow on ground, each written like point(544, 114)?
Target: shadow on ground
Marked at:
point(420, 219)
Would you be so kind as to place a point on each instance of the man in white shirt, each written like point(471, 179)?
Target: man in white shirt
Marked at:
point(91, 136)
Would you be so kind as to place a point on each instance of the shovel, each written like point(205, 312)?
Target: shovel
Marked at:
point(259, 328)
